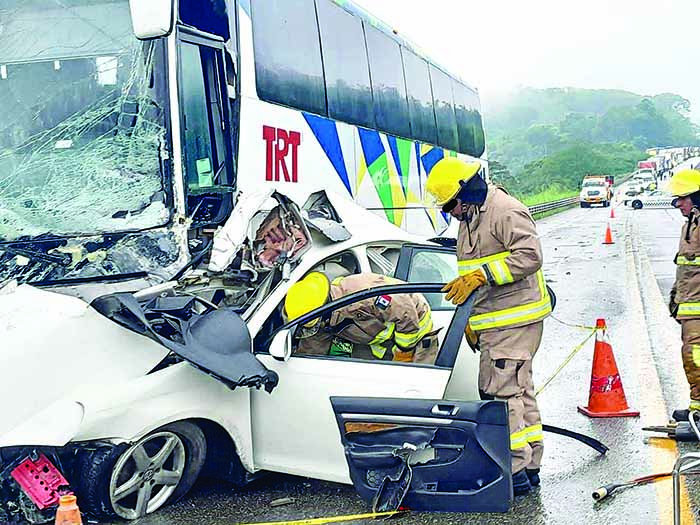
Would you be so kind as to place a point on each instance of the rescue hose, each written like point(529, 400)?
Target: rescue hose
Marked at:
point(586, 440)
point(603, 492)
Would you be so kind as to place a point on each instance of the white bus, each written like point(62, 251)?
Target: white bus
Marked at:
point(130, 128)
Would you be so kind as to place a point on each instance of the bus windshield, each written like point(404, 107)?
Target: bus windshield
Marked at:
point(82, 131)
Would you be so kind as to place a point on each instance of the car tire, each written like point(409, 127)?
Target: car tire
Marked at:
point(637, 205)
point(102, 471)
point(584, 205)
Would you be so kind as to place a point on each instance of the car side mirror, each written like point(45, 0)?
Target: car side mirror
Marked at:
point(281, 347)
point(152, 18)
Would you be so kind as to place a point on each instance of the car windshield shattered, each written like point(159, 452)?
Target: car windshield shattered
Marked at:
point(82, 130)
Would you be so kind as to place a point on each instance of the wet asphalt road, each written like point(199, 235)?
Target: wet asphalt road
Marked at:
point(626, 283)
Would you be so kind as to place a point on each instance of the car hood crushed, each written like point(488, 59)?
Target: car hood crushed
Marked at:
point(217, 342)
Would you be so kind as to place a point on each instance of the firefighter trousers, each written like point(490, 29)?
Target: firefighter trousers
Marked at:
point(505, 373)
point(690, 333)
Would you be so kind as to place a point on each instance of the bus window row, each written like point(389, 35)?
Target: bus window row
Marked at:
point(315, 56)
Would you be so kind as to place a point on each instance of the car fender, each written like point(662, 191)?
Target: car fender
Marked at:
point(129, 411)
point(54, 426)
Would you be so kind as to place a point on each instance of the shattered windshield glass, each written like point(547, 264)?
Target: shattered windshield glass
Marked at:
point(82, 130)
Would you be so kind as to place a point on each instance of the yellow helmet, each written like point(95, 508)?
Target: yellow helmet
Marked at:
point(305, 295)
point(684, 183)
point(444, 179)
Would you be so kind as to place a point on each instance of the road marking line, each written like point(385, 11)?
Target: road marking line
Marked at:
point(332, 519)
point(664, 451)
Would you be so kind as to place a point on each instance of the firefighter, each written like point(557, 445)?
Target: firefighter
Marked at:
point(684, 301)
point(389, 327)
point(499, 255)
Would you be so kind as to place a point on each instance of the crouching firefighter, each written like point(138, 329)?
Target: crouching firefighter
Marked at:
point(499, 253)
point(389, 327)
point(684, 303)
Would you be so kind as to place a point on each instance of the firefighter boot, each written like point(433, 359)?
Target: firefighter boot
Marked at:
point(521, 483)
point(533, 474)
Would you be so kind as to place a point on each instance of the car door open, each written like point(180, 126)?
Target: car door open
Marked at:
point(427, 454)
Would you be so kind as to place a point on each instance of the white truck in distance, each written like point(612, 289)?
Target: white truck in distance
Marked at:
point(596, 189)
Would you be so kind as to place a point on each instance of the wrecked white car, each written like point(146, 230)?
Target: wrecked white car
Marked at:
point(126, 395)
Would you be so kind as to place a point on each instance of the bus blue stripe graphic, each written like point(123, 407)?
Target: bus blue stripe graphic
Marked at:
point(326, 133)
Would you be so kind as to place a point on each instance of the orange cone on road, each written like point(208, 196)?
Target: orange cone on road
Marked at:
point(68, 512)
point(606, 397)
point(612, 212)
point(608, 236)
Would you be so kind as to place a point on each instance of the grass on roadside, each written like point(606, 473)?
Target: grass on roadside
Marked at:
point(547, 196)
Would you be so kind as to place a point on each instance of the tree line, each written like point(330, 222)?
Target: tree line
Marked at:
point(548, 139)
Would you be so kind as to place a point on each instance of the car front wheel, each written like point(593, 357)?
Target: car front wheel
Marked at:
point(132, 481)
point(637, 204)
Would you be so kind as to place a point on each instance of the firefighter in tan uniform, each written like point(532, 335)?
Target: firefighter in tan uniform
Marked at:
point(684, 303)
point(389, 327)
point(499, 253)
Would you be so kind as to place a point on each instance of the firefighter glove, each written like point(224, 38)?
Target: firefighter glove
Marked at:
point(472, 338)
point(459, 289)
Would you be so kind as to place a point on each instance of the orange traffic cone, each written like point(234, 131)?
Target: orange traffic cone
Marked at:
point(612, 212)
point(68, 512)
point(608, 236)
point(607, 397)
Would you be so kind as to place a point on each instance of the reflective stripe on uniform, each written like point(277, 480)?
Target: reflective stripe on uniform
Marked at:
point(688, 309)
point(682, 261)
point(525, 436)
point(501, 272)
point(530, 312)
point(696, 354)
point(469, 265)
point(384, 335)
point(409, 339)
point(378, 351)
point(694, 405)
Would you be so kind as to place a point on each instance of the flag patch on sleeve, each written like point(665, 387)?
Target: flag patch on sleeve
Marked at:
point(383, 302)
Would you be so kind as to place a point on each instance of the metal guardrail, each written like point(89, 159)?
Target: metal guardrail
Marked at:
point(554, 205)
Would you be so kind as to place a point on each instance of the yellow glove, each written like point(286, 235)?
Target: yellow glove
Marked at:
point(472, 338)
point(459, 289)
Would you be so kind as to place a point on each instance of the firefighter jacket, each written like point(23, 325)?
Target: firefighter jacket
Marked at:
point(686, 289)
point(400, 322)
point(500, 237)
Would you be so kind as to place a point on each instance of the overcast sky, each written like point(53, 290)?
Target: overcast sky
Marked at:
point(644, 46)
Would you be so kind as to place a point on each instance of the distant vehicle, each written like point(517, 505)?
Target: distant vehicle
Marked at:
point(651, 164)
point(645, 179)
point(653, 199)
point(596, 189)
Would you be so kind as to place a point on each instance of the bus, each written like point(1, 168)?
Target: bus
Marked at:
point(131, 127)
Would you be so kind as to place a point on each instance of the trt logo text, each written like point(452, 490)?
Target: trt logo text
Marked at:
point(279, 144)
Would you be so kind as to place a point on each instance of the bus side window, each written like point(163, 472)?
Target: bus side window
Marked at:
point(203, 115)
point(444, 109)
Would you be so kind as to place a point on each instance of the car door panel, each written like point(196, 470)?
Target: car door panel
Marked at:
point(458, 452)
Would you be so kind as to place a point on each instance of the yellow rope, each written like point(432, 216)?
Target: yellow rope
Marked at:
point(568, 358)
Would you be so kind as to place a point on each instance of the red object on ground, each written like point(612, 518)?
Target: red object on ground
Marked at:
point(608, 236)
point(612, 212)
point(40, 480)
point(68, 512)
point(606, 397)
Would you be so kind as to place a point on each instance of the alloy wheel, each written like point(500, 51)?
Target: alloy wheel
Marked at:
point(147, 474)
